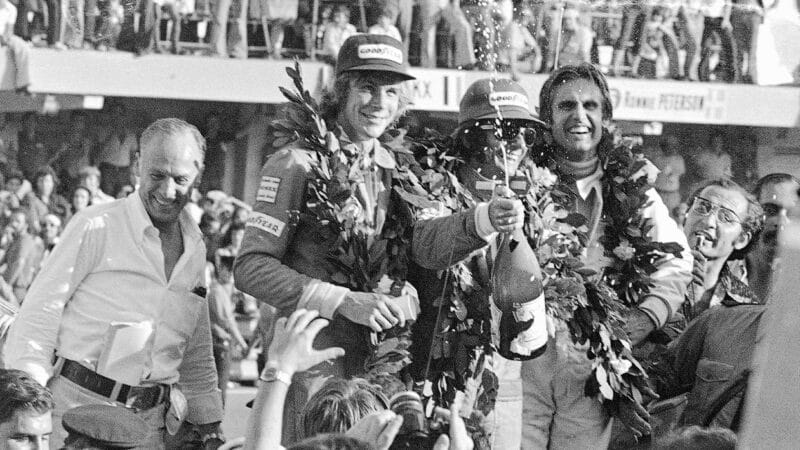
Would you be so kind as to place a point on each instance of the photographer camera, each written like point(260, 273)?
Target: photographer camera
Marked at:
point(397, 428)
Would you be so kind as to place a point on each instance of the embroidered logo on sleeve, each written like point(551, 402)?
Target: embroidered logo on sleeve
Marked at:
point(267, 223)
point(268, 189)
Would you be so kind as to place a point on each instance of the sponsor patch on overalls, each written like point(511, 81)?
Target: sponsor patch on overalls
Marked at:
point(268, 189)
point(267, 223)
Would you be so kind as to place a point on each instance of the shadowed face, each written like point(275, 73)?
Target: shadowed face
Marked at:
point(778, 200)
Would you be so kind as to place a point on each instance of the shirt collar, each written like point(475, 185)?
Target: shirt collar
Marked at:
point(143, 225)
point(585, 185)
point(382, 157)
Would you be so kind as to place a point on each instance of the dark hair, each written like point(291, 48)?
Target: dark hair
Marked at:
point(565, 74)
point(330, 441)
point(20, 392)
point(752, 222)
point(772, 178)
point(42, 172)
point(339, 404)
point(698, 438)
point(81, 187)
point(13, 173)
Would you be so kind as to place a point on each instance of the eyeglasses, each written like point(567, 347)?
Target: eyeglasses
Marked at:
point(703, 207)
point(508, 130)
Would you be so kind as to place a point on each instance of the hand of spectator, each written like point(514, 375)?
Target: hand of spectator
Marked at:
point(457, 438)
point(291, 348)
point(375, 311)
point(377, 429)
point(506, 213)
point(638, 326)
point(634, 416)
point(726, 24)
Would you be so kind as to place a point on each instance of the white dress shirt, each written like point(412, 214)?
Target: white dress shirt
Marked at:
point(107, 274)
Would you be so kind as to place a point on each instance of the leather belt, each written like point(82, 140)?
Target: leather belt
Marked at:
point(136, 397)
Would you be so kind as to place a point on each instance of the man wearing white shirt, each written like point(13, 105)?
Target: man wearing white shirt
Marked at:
point(119, 305)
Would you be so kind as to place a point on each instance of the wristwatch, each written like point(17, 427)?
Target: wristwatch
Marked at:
point(272, 373)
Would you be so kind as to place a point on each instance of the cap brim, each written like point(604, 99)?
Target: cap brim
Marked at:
point(510, 114)
point(380, 68)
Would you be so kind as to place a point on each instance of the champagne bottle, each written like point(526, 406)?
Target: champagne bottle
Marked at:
point(518, 295)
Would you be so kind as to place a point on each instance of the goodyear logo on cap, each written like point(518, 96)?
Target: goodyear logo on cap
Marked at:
point(380, 51)
point(497, 99)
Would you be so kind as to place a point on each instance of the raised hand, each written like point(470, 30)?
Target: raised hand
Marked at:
point(505, 212)
point(377, 429)
point(291, 349)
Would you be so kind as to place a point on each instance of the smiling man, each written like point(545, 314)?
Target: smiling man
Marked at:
point(288, 263)
point(117, 315)
point(575, 103)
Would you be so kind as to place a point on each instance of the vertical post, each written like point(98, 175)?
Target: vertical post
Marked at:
point(363, 13)
point(314, 25)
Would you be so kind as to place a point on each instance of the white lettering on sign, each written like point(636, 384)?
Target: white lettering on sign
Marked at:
point(380, 51)
point(267, 223)
point(508, 99)
point(268, 189)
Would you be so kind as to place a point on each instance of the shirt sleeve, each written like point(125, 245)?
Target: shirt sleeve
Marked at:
point(258, 270)
point(198, 376)
point(439, 243)
point(32, 339)
point(674, 273)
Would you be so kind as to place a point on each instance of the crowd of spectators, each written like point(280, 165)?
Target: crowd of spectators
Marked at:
point(683, 40)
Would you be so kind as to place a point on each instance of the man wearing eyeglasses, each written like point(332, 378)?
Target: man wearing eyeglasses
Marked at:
point(778, 196)
point(722, 220)
point(711, 358)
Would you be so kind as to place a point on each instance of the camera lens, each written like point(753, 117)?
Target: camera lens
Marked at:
point(408, 405)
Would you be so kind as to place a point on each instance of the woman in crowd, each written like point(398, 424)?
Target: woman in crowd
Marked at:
point(44, 200)
point(81, 199)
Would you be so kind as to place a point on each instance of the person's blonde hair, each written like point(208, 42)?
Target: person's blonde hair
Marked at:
point(339, 404)
point(335, 97)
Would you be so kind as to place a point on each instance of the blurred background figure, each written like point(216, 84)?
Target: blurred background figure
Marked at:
point(672, 167)
point(778, 195)
point(433, 11)
point(576, 39)
point(116, 151)
point(224, 329)
point(275, 16)
point(81, 199)
point(337, 31)
point(19, 48)
point(386, 18)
